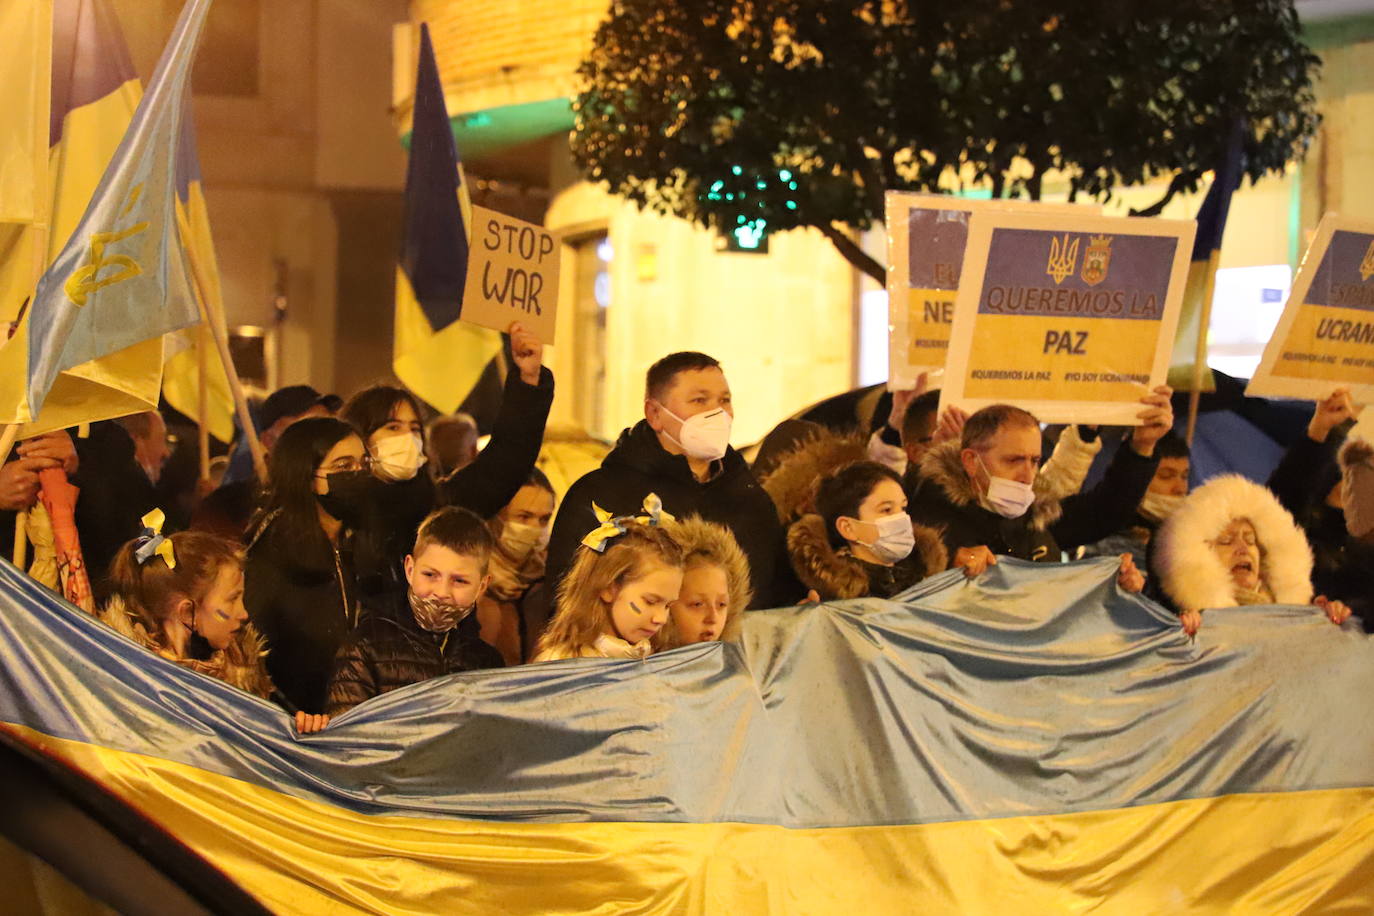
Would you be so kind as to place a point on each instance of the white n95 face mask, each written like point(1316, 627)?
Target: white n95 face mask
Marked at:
point(705, 436)
point(519, 541)
point(1156, 507)
point(398, 457)
point(896, 538)
point(1008, 498)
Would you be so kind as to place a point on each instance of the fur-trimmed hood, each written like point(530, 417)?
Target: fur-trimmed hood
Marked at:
point(943, 466)
point(703, 541)
point(792, 483)
point(239, 665)
point(1190, 572)
point(838, 575)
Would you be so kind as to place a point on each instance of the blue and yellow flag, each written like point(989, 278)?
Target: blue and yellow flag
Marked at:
point(435, 354)
point(1211, 225)
point(181, 375)
point(93, 92)
point(1033, 741)
point(121, 278)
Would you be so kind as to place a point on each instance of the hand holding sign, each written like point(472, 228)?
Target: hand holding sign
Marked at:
point(512, 275)
point(528, 353)
point(1330, 412)
point(1155, 420)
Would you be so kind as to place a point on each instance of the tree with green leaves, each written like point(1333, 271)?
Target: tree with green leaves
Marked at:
point(779, 114)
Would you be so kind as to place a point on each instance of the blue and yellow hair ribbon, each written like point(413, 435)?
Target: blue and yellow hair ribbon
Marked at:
point(152, 543)
point(614, 526)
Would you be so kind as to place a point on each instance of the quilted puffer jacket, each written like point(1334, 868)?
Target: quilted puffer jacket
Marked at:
point(389, 650)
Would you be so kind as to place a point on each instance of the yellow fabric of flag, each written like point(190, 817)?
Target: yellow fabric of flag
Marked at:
point(440, 368)
point(122, 383)
point(25, 65)
point(181, 375)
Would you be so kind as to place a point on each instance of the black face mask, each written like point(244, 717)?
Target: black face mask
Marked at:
point(349, 496)
point(197, 646)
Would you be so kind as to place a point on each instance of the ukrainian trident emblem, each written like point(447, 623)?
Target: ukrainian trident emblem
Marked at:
point(1367, 265)
point(1096, 259)
point(1063, 257)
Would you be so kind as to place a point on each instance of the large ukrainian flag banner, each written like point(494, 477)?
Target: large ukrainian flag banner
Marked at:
point(1035, 741)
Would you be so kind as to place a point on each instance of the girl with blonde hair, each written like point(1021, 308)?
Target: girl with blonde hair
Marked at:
point(715, 585)
point(614, 599)
point(182, 598)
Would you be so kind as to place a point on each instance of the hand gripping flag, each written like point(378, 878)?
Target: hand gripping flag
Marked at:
point(122, 277)
point(437, 356)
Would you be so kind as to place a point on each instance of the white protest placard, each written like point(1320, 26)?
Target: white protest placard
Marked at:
point(1325, 338)
point(926, 237)
point(1068, 315)
point(512, 274)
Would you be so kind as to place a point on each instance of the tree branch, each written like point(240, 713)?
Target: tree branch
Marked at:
point(851, 252)
point(1178, 184)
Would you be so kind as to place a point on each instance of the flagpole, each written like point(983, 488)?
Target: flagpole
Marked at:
point(21, 517)
point(1200, 355)
point(220, 332)
point(203, 430)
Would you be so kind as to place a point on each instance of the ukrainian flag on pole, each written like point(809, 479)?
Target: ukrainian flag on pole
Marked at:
point(121, 279)
point(1211, 225)
point(437, 356)
point(181, 377)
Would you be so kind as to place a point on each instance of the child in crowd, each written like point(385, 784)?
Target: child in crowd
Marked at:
point(615, 597)
point(521, 533)
point(860, 541)
point(715, 585)
point(182, 597)
point(429, 629)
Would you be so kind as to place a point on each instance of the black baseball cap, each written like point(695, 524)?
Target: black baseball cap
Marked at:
point(294, 400)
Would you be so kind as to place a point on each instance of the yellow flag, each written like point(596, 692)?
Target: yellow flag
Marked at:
point(25, 65)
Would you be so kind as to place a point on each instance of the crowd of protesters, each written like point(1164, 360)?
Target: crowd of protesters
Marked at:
point(383, 550)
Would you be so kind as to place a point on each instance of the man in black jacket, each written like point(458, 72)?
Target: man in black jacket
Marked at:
point(680, 451)
point(429, 629)
point(985, 498)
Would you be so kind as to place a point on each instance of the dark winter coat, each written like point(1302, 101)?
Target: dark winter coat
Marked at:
point(303, 599)
point(115, 495)
point(390, 650)
point(1048, 526)
point(836, 574)
point(638, 466)
point(1342, 566)
point(485, 486)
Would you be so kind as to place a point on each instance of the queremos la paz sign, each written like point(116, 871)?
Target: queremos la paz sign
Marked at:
point(1068, 315)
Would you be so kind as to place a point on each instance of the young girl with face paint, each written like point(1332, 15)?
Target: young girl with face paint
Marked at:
point(182, 597)
point(860, 540)
point(615, 600)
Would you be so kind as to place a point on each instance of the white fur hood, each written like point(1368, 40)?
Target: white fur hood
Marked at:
point(1189, 570)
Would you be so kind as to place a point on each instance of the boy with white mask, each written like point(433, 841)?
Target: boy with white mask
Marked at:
point(681, 451)
point(987, 501)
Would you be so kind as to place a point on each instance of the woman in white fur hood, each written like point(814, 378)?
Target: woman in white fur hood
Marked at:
point(1232, 544)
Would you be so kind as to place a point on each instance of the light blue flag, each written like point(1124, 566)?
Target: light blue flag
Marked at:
point(122, 277)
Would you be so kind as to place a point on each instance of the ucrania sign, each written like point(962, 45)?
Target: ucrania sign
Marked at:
point(1325, 337)
point(926, 237)
point(1068, 315)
